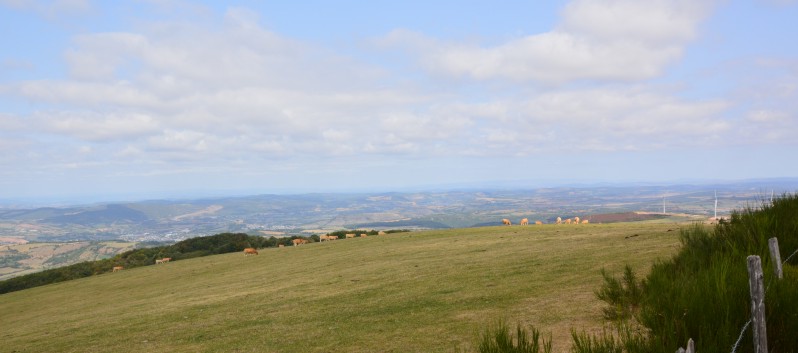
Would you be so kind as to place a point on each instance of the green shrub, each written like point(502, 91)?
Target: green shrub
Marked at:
point(702, 293)
point(621, 295)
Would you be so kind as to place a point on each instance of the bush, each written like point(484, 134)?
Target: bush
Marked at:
point(702, 293)
point(622, 295)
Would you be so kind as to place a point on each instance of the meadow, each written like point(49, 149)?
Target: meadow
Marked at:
point(426, 291)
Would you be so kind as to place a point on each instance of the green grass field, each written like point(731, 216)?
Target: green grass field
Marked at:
point(407, 292)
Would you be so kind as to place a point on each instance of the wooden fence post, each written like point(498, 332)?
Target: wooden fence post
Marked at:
point(756, 285)
point(775, 256)
point(690, 347)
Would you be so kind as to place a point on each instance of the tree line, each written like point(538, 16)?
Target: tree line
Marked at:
point(186, 249)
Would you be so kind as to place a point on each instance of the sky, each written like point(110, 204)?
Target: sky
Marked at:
point(147, 99)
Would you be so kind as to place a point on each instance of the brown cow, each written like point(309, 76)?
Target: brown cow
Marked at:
point(117, 268)
point(166, 259)
point(158, 261)
point(299, 241)
point(250, 251)
point(364, 235)
point(538, 222)
point(506, 222)
point(350, 235)
point(380, 233)
point(568, 221)
point(559, 220)
point(576, 220)
point(524, 222)
point(584, 221)
point(324, 237)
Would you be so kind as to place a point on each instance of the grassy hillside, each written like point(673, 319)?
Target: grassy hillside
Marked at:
point(406, 292)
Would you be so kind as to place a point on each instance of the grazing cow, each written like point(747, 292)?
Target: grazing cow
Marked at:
point(506, 222)
point(166, 259)
point(380, 233)
point(568, 221)
point(350, 235)
point(299, 241)
point(524, 222)
point(117, 268)
point(332, 237)
point(538, 222)
point(158, 261)
point(576, 220)
point(362, 234)
point(559, 220)
point(250, 251)
point(584, 221)
point(323, 237)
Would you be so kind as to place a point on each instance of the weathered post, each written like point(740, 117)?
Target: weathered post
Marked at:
point(775, 256)
point(756, 285)
point(690, 347)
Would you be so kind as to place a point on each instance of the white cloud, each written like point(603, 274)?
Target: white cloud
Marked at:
point(614, 40)
point(96, 127)
point(234, 93)
point(89, 94)
point(768, 116)
point(654, 22)
point(50, 8)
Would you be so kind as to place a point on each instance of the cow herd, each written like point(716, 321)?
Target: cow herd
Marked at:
point(525, 221)
point(157, 261)
point(253, 251)
point(326, 237)
point(322, 238)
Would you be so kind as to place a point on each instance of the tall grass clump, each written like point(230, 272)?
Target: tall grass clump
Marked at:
point(499, 339)
point(702, 293)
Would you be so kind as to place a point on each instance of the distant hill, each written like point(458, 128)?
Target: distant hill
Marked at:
point(175, 220)
point(108, 214)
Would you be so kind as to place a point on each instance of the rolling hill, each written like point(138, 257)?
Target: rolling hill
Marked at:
point(409, 292)
point(20, 259)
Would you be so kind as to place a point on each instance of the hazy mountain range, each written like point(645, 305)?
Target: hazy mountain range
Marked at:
point(169, 220)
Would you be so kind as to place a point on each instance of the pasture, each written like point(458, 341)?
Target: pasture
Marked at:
point(407, 292)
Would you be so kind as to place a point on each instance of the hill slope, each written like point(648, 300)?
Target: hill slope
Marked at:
point(21, 259)
point(422, 291)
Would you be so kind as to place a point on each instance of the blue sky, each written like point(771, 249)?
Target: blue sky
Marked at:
point(144, 99)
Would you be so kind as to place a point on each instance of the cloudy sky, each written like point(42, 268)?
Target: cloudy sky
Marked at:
point(165, 98)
